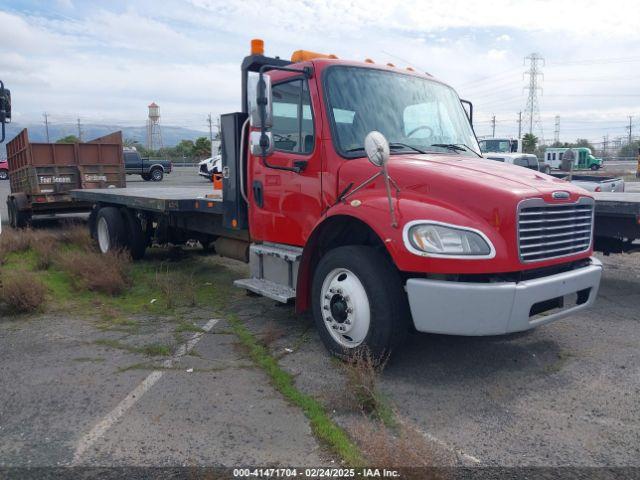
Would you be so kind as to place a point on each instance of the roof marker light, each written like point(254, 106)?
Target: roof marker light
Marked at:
point(368, 60)
point(306, 55)
point(257, 46)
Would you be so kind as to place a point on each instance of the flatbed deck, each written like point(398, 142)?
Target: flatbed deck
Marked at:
point(156, 199)
point(617, 203)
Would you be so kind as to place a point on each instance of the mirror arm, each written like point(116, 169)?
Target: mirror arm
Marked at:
point(2, 111)
point(470, 110)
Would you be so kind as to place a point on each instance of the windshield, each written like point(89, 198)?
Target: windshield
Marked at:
point(497, 146)
point(413, 113)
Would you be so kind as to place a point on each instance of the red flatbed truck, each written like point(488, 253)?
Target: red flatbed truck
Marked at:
point(355, 190)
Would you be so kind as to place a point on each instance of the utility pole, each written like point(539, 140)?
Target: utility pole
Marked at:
point(46, 125)
point(533, 110)
point(493, 126)
point(556, 133)
point(210, 133)
point(629, 128)
point(605, 145)
point(79, 130)
point(520, 124)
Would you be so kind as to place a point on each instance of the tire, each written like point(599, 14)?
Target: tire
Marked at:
point(146, 177)
point(356, 288)
point(17, 218)
point(157, 174)
point(4, 174)
point(547, 169)
point(595, 167)
point(136, 239)
point(110, 229)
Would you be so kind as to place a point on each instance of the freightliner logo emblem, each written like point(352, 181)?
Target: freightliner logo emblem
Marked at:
point(560, 195)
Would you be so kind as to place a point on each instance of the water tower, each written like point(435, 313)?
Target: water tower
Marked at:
point(154, 135)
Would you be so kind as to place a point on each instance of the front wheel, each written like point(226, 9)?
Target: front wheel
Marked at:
point(595, 167)
point(547, 169)
point(358, 302)
point(4, 175)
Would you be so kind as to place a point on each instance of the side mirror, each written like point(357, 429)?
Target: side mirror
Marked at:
point(259, 97)
point(256, 140)
point(377, 148)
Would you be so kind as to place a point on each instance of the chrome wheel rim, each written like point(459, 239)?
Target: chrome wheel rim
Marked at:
point(156, 175)
point(3, 175)
point(345, 308)
point(103, 235)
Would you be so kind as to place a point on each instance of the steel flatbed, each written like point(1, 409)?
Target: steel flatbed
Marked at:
point(617, 221)
point(156, 199)
point(176, 213)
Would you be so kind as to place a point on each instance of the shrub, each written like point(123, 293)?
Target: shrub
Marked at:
point(12, 241)
point(45, 248)
point(22, 291)
point(104, 273)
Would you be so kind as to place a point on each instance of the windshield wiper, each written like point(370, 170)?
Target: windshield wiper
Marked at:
point(397, 145)
point(456, 147)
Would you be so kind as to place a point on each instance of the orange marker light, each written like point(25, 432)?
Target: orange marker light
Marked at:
point(368, 60)
point(410, 69)
point(234, 223)
point(390, 65)
point(257, 46)
point(306, 55)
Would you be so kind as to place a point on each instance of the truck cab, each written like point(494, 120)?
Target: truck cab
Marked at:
point(370, 204)
point(500, 145)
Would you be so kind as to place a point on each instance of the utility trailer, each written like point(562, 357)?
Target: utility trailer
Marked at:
point(42, 175)
point(617, 222)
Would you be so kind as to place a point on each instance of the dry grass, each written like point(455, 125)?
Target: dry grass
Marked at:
point(271, 333)
point(78, 235)
point(403, 447)
point(45, 247)
point(104, 273)
point(22, 292)
point(361, 373)
point(174, 286)
point(13, 241)
point(167, 286)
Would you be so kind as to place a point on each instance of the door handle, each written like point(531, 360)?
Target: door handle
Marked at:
point(258, 193)
point(300, 165)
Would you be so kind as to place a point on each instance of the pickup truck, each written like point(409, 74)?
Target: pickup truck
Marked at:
point(148, 169)
point(348, 197)
point(593, 183)
point(4, 170)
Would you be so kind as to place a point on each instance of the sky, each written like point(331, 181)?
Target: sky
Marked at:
point(106, 61)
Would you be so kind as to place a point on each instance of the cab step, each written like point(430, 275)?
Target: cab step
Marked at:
point(274, 271)
point(267, 288)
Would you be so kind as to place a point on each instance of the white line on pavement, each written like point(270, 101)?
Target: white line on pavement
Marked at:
point(130, 400)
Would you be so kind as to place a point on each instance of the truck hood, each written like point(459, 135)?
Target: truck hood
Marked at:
point(462, 183)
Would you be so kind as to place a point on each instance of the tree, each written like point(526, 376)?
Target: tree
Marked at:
point(68, 139)
point(529, 143)
point(202, 148)
point(630, 150)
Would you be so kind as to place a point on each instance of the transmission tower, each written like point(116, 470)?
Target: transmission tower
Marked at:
point(154, 135)
point(556, 132)
point(533, 109)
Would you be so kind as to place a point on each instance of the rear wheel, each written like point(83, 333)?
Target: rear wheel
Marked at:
point(110, 229)
point(4, 175)
point(157, 174)
point(595, 167)
point(146, 177)
point(136, 239)
point(17, 218)
point(358, 302)
point(547, 169)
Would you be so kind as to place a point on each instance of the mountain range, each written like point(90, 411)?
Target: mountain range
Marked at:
point(171, 135)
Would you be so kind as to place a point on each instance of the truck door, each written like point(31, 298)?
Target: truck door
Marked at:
point(285, 205)
point(132, 162)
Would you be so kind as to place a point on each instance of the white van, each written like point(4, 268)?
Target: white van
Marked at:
point(526, 160)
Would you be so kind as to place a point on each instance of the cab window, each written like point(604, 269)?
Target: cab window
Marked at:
point(292, 117)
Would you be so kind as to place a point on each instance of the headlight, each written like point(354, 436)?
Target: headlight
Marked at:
point(435, 239)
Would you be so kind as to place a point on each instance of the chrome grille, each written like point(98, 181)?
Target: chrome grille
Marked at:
point(548, 230)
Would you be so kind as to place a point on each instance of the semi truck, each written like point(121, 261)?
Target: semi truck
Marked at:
point(357, 191)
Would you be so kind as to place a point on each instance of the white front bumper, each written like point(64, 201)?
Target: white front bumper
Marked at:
point(463, 308)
